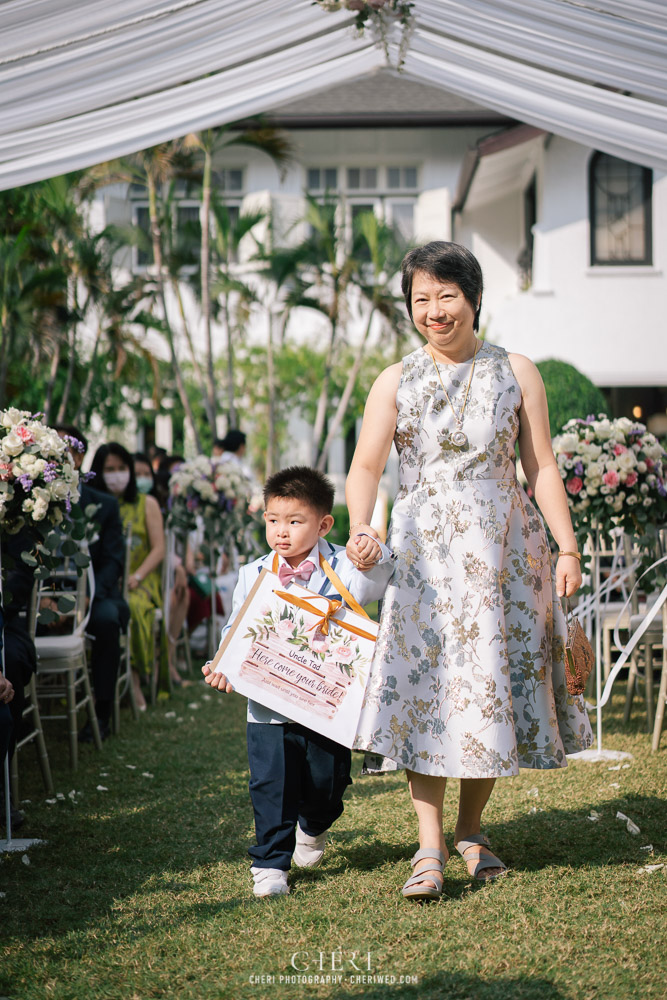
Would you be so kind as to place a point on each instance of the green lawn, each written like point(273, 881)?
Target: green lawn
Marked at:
point(143, 889)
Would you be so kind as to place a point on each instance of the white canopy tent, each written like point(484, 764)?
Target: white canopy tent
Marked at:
point(84, 82)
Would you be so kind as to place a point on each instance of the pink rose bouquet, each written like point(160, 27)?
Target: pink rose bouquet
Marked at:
point(614, 474)
point(39, 490)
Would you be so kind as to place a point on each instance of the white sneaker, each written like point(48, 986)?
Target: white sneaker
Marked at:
point(309, 850)
point(269, 882)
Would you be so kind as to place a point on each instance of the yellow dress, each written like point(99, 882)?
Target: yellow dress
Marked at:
point(145, 598)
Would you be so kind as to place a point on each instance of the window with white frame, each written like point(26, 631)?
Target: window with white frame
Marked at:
point(322, 179)
point(389, 191)
point(186, 214)
point(362, 178)
point(402, 178)
point(229, 179)
point(143, 252)
point(620, 211)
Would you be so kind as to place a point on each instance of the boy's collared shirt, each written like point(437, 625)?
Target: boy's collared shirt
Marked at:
point(364, 587)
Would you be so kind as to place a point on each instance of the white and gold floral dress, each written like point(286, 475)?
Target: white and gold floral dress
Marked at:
point(468, 678)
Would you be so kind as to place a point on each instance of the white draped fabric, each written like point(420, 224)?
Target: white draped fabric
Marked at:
point(83, 82)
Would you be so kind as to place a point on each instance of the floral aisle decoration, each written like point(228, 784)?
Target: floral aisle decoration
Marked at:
point(39, 493)
point(217, 496)
point(614, 473)
point(379, 15)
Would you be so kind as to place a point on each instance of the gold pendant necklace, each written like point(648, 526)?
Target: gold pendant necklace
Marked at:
point(458, 438)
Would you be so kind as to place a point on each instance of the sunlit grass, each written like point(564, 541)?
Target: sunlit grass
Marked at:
point(143, 890)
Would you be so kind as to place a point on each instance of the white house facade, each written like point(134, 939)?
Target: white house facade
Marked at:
point(571, 241)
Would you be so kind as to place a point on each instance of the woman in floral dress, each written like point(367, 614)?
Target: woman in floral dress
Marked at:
point(468, 680)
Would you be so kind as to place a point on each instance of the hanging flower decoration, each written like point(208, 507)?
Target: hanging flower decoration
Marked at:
point(39, 491)
point(219, 497)
point(614, 474)
point(379, 15)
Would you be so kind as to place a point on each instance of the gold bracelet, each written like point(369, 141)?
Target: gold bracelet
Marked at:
point(358, 524)
point(577, 555)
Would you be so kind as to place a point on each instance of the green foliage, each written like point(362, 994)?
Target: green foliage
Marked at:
point(340, 532)
point(569, 394)
point(298, 373)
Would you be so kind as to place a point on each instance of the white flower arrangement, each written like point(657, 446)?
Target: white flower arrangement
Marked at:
point(379, 14)
point(38, 481)
point(614, 475)
point(39, 492)
point(220, 495)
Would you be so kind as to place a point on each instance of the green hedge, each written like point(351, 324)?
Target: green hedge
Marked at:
point(569, 394)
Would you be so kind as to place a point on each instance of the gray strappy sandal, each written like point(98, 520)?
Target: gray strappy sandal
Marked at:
point(415, 888)
point(483, 861)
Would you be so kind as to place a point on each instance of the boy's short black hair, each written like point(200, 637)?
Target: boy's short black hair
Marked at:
point(300, 482)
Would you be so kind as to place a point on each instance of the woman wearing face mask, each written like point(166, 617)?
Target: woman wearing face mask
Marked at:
point(115, 473)
point(143, 472)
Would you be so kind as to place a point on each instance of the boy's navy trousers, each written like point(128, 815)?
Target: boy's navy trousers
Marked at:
point(296, 775)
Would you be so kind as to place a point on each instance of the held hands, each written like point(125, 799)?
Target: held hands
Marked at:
point(216, 680)
point(363, 550)
point(568, 576)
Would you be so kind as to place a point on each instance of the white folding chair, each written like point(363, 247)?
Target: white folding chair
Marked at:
point(160, 626)
point(124, 679)
point(31, 716)
point(652, 641)
point(181, 642)
point(62, 668)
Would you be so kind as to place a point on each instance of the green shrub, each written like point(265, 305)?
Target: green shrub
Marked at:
point(569, 394)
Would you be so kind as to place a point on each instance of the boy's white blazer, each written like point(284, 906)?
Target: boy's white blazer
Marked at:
point(364, 587)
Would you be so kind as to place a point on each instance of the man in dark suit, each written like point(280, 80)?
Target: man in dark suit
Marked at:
point(109, 614)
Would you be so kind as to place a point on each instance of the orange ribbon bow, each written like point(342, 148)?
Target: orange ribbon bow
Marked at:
point(322, 625)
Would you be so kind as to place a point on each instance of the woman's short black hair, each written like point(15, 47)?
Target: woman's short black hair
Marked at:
point(300, 482)
point(445, 262)
point(97, 466)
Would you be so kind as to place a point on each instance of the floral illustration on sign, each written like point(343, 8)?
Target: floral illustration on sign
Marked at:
point(337, 647)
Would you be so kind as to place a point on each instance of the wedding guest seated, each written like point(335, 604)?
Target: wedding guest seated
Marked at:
point(200, 589)
point(109, 613)
point(156, 454)
point(20, 656)
point(114, 471)
point(231, 448)
point(179, 597)
point(6, 736)
point(165, 468)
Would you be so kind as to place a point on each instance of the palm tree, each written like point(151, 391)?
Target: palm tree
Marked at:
point(326, 269)
point(283, 290)
point(230, 295)
point(154, 169)
point(210, 143)
point(377, 252)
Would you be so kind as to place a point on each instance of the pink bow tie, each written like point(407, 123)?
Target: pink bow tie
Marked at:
point(303, 572)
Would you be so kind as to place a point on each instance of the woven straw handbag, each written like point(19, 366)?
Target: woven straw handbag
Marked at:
point(579, 655)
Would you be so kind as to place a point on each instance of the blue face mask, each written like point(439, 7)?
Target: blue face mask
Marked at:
point(144, 484)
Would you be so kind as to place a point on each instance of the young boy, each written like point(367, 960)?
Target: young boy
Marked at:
point(296, 775)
